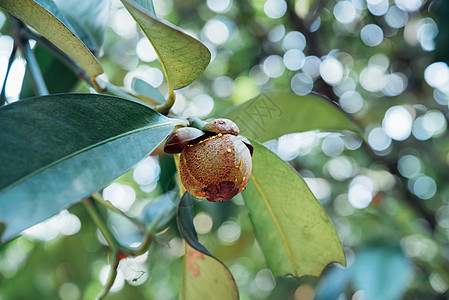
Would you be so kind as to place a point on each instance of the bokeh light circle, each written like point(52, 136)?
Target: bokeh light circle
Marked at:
point(372, 35)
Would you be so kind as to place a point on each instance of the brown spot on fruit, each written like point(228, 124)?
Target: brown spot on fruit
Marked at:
point(223, 191)
point(208, 170)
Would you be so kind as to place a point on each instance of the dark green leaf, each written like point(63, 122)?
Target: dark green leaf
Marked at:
point(271, 115)
point(291, 226)
point(45, 17)
point(185, 224)
point(167, 180)
point(158, 213)
point(58, 77)
point(2, 229)
point(88, 19)
point(59, 149)
point(143, 88)
point(205, 277)
point(183, 57)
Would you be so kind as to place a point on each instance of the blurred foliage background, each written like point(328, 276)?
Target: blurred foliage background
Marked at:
point(384, 62)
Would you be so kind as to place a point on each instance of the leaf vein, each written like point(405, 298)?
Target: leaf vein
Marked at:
point(278, 226)
point(85, 149)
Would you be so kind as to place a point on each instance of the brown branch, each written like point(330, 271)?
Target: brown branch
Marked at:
point(313, 45)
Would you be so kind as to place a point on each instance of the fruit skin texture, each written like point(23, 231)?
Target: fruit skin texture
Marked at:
point(216, 168)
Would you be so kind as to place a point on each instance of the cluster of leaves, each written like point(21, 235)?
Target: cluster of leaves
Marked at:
point(60, 149)
point(394, 246)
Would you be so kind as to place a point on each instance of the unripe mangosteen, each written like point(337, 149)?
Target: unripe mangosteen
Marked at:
point(215, 164)
point(216, 168)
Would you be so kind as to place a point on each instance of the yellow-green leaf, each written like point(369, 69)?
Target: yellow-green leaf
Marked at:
point(273, 114)
point(292, 228)
point(44, 17)
point(183, 57)
point(204, 276)
point(88, 20)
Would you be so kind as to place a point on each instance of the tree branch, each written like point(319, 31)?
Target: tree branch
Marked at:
point(33, 66)
point(10, 61)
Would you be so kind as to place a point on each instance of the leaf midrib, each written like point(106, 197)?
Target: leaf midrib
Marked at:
point(85, 149)
point(278, 226)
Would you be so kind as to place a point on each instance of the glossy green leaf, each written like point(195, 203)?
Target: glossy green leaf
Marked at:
point(88, 19)
point(205, 277)
point(271, 115)
point(159, 212)
point(45, 17)
point(143, 88)
point(183, 57)
point(291, 226)
point(59, 149)
point(168, 174)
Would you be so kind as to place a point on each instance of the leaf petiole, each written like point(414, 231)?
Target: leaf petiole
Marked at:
point(91, 205)
point(96, 197)
point(94, 213)
point(165, 108)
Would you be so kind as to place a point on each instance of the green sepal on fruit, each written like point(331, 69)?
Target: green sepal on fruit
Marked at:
point(215, 163)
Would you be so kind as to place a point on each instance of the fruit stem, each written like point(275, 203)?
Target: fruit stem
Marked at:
point(196, 122)
point(180, 122)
